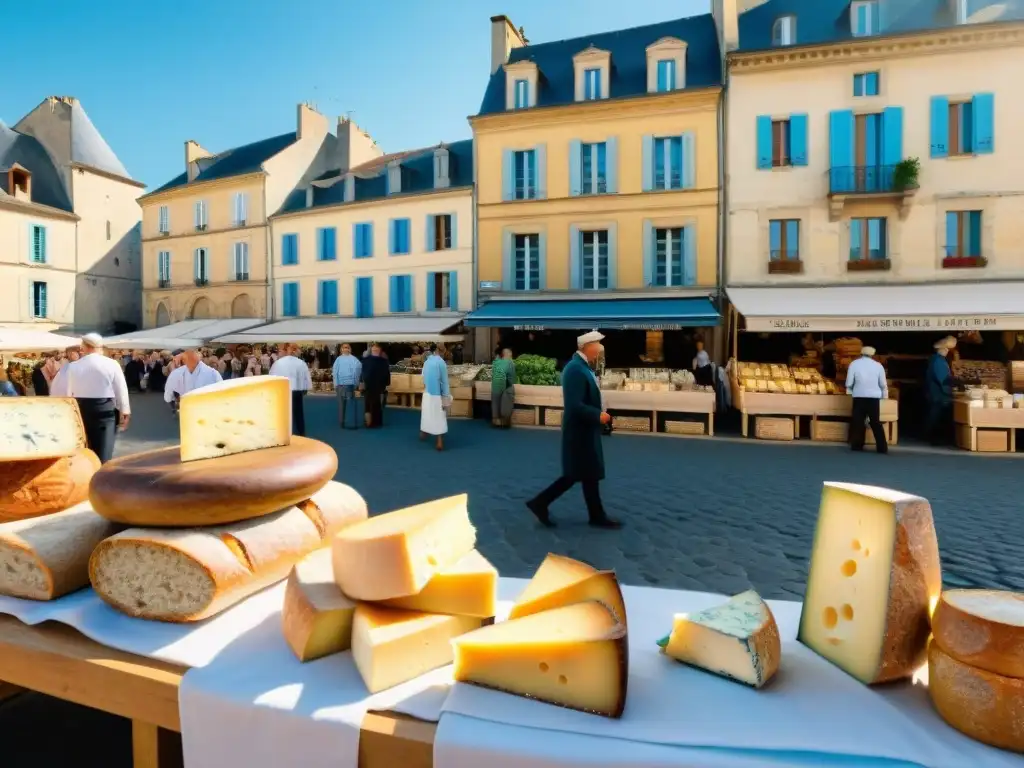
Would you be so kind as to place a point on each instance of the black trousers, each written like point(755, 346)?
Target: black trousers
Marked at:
point(298, 413)
point(867, 408)
point(374, 407)
point(938, 422)
point(591, 494)
point(100, 421)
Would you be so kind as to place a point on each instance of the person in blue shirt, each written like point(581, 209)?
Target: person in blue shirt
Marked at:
point(436, 397)
point(938, 391)
point(347, 374)
point(6, 387)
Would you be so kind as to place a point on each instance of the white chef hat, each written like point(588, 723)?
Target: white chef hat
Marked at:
point(93, 340)
point(588, 338)
point(867, 351)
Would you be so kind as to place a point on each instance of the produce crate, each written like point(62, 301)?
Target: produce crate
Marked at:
point(989, 440)
point(400, 382)
point(685, 427)
point(775, 428)
point(392, 398)
point(461, 409)
point(524, 417)
point(832, 431)
point(415, 382)
point(462, 393)
point(657, 386)
point(552, 417)
point(631, 424)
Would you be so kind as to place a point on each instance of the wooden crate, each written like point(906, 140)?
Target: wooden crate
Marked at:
point(988, 440)
point(631, 424)
point(462, 409)
point(685, 427)
point(400, 382)
point(832, 431)
point(415, 382)
point(462, 393)
point(392, 398)
point(775, 428)
point(552, 417)
point(524, 416)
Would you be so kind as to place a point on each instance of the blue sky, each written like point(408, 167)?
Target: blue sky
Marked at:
point(227, 72)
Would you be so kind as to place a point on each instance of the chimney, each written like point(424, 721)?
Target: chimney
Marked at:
point(355, 146)
point(194, 153)
point(504, 38)
point(310, 123)
point(726, 17)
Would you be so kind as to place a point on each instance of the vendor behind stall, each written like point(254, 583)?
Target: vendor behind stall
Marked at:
point(938, 391)
point(702, 372)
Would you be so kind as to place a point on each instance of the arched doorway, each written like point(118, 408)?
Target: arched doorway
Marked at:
point(242, 306)
point(202, 309)
point(163, 317)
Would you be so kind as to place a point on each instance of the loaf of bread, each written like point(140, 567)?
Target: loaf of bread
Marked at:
point(192, 574)
point(46, 557)
point(42, 486)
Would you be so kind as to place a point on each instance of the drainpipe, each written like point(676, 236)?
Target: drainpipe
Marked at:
point(270, 313)
point(476, 254)
point(723, 204)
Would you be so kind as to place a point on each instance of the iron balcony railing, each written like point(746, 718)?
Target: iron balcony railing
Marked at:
point(862, 179)
point(241, 276)
point(164, 283)
point(201, 281)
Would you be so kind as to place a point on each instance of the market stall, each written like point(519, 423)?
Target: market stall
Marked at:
point(987, 420)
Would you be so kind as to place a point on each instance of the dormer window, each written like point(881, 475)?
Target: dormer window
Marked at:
point(666, 65)
point(348, 192)
point(593, 74)
point(784, 31)
point(521, 85)
point(864, 18)
point(394, 178)
point(522, 94)
point(591, 84)
point(19, 182)
point(442, 168)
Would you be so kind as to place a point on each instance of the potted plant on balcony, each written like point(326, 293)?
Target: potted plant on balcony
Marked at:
point(904, 176)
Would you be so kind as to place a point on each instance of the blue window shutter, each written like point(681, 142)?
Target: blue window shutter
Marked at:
point(357, 297)
point(952, 233)
point(406, 236)
point(508, 176)
point(840, 148)
point(858, 85)
point(940, 126)
point(541, 153)
point(648, 251)
point(690, 255)
point(43, 254)
point(368, 285)
point(392, 293)
point(613, 259)
point(357, 242)
point(368, 239)
point(455, 230)
point(453, 290)
point(974, 233)
point(320, 233)
point(331, 287)
point(430, 233)
point(431, 295)
point(689, 160)
point(984, 123)
point(764, 142)
point(392, 226)
point(647, 163)
point(507, 267)
point(797, 139)
point(612, 164)
point(195, 263)
point(408, 305)
point(320, 295)
point(575, 165)
point(892, 135)
point(543, 248)
point(575, 267)
point(332, 243)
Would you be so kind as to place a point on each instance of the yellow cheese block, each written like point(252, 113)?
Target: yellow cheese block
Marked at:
point(873, 580)
point(468, 588)
point(983, 628)
point(317, 617)
point(738, 640)
point(235, 416)
point(39, 428)
point(562, 581)
point(987, 707)
point(576, 657)
point(390, 646)
point(398, 553)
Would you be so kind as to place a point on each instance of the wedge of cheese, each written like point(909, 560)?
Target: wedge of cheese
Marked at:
point(398, 553)
point(983, 628)
point(317, 617)
point(738, 640)
point(873, 580)
point(468, 588)
point(562, 581)
point(576, 657)
point(987, 707)
point(39, 428)
point(235, 416)
point(391, 646)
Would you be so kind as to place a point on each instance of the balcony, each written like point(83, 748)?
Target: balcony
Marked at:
point(855, 183)
point(163, 283)
point(201, 281)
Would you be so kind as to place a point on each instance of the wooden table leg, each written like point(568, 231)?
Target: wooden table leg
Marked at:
point(155, 747)
point(974, 438)
point(743, 423)
point(711, 425)
point(1013, 440)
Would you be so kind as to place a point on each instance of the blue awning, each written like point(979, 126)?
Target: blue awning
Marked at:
point(581, 314)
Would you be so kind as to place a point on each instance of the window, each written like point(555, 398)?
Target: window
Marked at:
point(393, 179)
point(442, 290)
point(524, 163)
point(38, 299)
point(522, 94)
point(963, 235)
point(594, 260)
point(327, 297)
point(399, 237)
point(326, 244)
point(782, 141)
point(668, 257)
point(289, 249)
point(202, 266)
point(200, 215)
point(668, 163)
point(781, 154)
point(868, 240)
point(290, 299)
point(666, 75)
point(164, 220)
point(400, 293)
point(865, 84)
point(439, 232)
point(591, 84)
point(784, 31)
point(864, 18)
point(961, 128)
point(442, 168)
point(163, 269)
point(364, 297)
point(593, 165)
point(240, 261)
point(362, 236)
point(785, 240)
point(108, 230)
point(38, 244)
point(526, 262)
point(241, 206)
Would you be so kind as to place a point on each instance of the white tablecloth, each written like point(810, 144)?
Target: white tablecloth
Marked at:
point(812, 714)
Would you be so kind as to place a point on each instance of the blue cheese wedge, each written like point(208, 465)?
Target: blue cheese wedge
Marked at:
point(738, 640)
point(39, 428)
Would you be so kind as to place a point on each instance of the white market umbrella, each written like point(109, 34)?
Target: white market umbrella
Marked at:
point(153, 342)
point(27, 340)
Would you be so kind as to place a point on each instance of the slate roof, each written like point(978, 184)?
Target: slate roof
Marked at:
point(89, 148)
point(47, 188)
point(628, 49)
point(236, 162)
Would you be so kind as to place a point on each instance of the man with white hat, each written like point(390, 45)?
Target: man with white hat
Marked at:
point(582, 420)
point(865, 381)
point(938, 391)
point(191, 374)
point(97, 383)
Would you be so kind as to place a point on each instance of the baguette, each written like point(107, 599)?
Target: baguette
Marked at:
point(44, 558)
point(192, 574)
point(43, 486)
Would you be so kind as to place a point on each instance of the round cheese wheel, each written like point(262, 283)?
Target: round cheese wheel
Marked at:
point(43, 486)
point(987, 707)
point(156, 489)
point(983, 628)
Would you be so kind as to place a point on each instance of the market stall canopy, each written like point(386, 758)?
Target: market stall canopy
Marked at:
point(389, 328)
point(939, 308)
point(187, 333)
point(27, 340)
point(660, 314)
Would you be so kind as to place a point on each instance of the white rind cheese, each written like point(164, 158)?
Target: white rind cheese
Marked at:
point(39, 428)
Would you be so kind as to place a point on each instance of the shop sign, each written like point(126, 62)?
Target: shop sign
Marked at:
point(936, 323)
point(528, 328)
point(651, 327)
point(490, 285)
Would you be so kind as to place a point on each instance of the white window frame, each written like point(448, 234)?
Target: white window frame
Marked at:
point(592, 58)
point(164, 220)
point(203, 273)
point(163, 266)
point(670, 257)
point(786, 26)
point(595, 175)
point(529, 182)
point(521, 70)
point(240, 259)
point(241, 208)
point(872, 15)
point(46, 300)
point(442, 168)
point(532, 246)
point(592, 83)
point(594, 238)
point(200, 215)
point(521, 88)
point(442, 300)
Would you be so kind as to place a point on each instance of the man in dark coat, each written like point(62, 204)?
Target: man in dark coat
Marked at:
point(582, 420)
point(376, 380)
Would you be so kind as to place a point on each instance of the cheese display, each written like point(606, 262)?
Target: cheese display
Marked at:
point(562, 581)
point(770, 377)
point(873, 578)
point(317, 618)
point(987, 707)
point(575, 657)
point(738, 640)
point(235, 416)
point(194, 573)
point(42, 486)
point(135, 489)
point(39, 428)
point(44, 558)
point(392, 646)
point(398, 553)
point(468, 588)
point(983, 628)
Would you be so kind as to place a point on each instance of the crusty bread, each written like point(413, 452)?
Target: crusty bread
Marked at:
point(46, 557)
point(43, 486)
point(192, 574)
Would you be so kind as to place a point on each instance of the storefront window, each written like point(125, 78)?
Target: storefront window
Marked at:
point(527, 262)
point(868, 240)
point(594, 262)
point(668, 257)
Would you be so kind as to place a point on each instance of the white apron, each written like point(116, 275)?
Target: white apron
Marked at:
point(433, 419)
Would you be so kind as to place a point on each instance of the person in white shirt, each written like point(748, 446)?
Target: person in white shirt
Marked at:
point(193, 373)
point(865, 381)
point(97, 383)
point(297, 372)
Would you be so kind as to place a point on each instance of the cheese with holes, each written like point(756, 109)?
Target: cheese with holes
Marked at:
point(987, 707)
point(39, 428)
point(391, 646)
point(576, 657)
point(398, 553)
point(468, 588)
point(738, 640)
point(317, 617)
point(235, 416)
point(873, 579)
point(562, 581)
point(983, 628)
